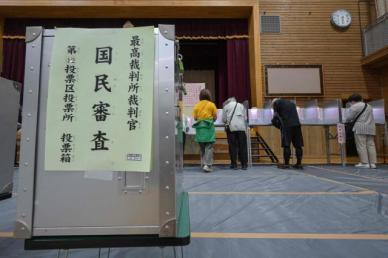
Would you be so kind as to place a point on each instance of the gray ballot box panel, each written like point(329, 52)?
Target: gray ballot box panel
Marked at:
point(9, 109)
point(115, 202)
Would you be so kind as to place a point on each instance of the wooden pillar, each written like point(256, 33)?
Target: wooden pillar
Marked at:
point(1, 42)
point(255, 72)
point(384, 86)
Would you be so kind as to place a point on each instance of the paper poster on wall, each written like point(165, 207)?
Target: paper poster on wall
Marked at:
point(100, 100)
point(192, 96)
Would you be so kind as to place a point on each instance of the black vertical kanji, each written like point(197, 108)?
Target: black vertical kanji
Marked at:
point(99, 141)
point(101, 111)
point(101, 81)
point(104, 55)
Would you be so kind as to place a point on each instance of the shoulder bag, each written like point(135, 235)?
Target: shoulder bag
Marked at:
point(227, 125)
point(351, 149)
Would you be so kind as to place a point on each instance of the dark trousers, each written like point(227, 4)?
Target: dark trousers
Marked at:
point(287, 155)
point(292, 135)
point(237, 142)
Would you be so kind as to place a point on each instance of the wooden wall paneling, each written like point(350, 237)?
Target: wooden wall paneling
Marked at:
point(384, 86)
point(314, 151)
point(372, 11)
point(307, 37)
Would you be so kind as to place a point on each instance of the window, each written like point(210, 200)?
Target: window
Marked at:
point(381, 7)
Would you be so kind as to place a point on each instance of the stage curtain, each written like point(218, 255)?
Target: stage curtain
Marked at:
point(233, 72)
point(232, 68)
point(13, 59)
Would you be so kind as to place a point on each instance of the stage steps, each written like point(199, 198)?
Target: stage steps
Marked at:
point(260, 149)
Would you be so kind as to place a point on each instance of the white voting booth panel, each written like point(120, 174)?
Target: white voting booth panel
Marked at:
point(63, 203)
point(310, 114)
point(260, 116)
point(9, 109)
point(378, 111)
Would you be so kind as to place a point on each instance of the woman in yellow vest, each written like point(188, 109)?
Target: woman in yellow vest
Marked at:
point(205, 113)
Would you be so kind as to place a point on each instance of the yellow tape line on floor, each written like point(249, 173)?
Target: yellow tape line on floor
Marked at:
point(270, 236)
point(284, 193)
point(289, 236)
point(6, 234)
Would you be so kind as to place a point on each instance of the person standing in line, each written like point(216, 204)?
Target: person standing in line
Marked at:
point(205, 113)
point(234, 117)
point(364, 130)
point(287, 120)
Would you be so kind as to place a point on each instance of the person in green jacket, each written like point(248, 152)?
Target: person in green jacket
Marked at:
point(205, 113)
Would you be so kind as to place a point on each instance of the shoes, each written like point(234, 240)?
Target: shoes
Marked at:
point(233, 167)
point(283, 166)
point(207, 169)
point(362, 165)
point(244, 167)
point(373, 166)
point(297, 166)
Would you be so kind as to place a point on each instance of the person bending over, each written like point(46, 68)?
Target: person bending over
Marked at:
point(286, 119)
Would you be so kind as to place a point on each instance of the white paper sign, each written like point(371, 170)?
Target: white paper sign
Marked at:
point(341, 135)
point(192, 96)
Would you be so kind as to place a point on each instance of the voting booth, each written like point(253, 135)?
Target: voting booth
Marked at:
point(101, 145)
point(9, 110)
point(378, 111)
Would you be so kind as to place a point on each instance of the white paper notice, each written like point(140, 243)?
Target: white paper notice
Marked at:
point(192, 96)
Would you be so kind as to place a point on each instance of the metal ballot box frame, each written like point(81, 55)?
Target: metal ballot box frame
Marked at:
point(74, 210)
point(9, 110)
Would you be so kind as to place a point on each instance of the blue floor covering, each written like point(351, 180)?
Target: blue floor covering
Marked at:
point(229, 201)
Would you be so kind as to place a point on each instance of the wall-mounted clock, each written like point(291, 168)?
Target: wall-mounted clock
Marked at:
point(341, 19)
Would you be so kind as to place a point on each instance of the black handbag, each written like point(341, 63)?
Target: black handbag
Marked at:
point(277, 121)
point(351, 149)
point(227, 128)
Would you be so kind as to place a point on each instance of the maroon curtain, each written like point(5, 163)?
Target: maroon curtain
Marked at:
point(233, 72)
point(233, 68)
point(222, 75)
point(210, 27)
point(13, 59)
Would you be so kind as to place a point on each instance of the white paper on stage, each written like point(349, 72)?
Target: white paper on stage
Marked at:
point(192, 96)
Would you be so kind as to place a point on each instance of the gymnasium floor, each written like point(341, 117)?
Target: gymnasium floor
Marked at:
point(322, 211)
